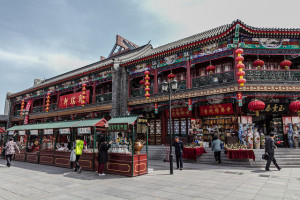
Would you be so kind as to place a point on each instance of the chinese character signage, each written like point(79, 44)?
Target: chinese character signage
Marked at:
point(273, 108)
point(27, 109)
point(22, 133)
point(86, 130)
point(74, 99)
point(179, 112)
point(34, 132)
point(64, 131)
point(48, 131)
point(117, 127)
point(218, 109)
point(11, 132)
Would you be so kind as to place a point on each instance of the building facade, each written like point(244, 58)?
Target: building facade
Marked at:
point(207, 98)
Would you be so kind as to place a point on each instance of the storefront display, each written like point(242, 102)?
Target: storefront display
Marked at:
point(129, 135)
point(34, 146)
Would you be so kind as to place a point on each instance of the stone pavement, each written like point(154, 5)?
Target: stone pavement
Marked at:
point(196, 181)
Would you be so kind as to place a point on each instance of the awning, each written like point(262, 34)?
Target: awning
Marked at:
point(123, 120)
point(2, 131)
point(61, 124)
point(91, 123)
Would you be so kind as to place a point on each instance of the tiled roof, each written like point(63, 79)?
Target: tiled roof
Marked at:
point(123, 120)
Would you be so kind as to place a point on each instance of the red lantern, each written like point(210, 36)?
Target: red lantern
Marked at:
point(210, 69)
point(83, 94)
point(256, 106)
point(241, 73)
point(285, 64)
point(22, 107)
point(258, 63)
point(241, 81)
point(47, 109)
point(239, 58)
point(84, 85)
point(295, 107)
point(239, 51)
point(147, 84)
point(142, 82)
point(171, 76)
point(240, 66)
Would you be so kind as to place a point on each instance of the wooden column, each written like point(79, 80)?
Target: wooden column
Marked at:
point(44, 100)
point(94, 92)
point(31, 107)
point(57, 100)
point(188, 74)
point(155, 87)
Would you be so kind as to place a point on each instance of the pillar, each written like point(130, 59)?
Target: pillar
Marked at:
point(57, 100)
point(188, 74)
point(155, 87)
point(94, 92)
point(116, 80)
point(124, 93)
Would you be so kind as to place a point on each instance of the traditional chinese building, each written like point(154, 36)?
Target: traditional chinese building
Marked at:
point(210, 90)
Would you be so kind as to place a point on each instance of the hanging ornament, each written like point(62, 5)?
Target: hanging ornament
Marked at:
point(295, 107)
point(171, 76)
point(285, 64)
point(83, 102)
point(210, 69)
point(256, 106)
point(190, 104)
point(240, 66)
point(258, 63)
point(156, 108)
point(22, 107)
point(48, 102)
point(142, 82)
point(147, 84)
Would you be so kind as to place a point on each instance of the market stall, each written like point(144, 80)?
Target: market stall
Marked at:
point(47, 149)
point(32, 155)
point(129, 134)
point(193, 152)
point(241, 154)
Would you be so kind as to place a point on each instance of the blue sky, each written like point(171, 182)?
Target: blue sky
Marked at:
point(41, 39)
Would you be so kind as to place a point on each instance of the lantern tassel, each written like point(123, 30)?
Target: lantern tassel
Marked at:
point(257, 113)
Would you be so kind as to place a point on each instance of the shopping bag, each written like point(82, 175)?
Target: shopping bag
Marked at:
point(73, 156)
point(265, 156)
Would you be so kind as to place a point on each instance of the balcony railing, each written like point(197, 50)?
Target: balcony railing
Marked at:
point(37, 109)
point(181, 86)
point(272, 75)
point(104, 98)
point(52, 106)
point(213, 79)
point(17, 113)
point(139, 92)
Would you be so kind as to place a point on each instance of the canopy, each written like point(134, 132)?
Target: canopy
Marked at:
point(61, 124)
point(123, 120)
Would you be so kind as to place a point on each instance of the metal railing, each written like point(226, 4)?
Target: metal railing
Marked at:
point(104, 98)
point(272, 75)
point(139, 92)
point(213, 79)
point(37, 109)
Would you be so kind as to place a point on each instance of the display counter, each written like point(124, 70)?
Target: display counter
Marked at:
point(47, 157)
point(21, 156)
point(193, 153)
point(32, 157)
point(121, 164)
point(62, 159)
point(86, 161)
point(241, 154)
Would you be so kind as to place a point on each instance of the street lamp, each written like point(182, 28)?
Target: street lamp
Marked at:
point(170, 86)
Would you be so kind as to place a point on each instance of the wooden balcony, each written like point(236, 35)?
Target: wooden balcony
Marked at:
point(273, 76)
point(103, 98)
point(213, 79)
point(140, 92)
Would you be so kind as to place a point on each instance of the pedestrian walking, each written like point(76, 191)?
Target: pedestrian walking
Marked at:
point(178, 152)
point(78, 150)
point(217, 148)
point(102, 155)
point(269, 150)
point(10, 149)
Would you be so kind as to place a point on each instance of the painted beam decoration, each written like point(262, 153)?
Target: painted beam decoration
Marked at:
point(74, 99)
point(210, 49)
point(270, 43)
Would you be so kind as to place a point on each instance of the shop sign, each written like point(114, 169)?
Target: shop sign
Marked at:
point(11, 132)
point(64, 131)
point(273, 108)
point(27, 109)
point(117, 127)
point(74, 99)
point(34, 132)
point(142, 121)
point(48, 131)
point(86, 130)
point(240, 98)
point(179, 113)
point(22, 133)
point(295, 120)
point(218, 109)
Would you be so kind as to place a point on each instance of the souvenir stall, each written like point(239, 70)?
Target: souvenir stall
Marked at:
point(63, 148)
point(22, 144)
point(2, 139)
point(33, 146)
point(47, 147)
point(129, 134)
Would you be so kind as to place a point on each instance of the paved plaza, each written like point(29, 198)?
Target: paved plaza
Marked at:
point(196, 181)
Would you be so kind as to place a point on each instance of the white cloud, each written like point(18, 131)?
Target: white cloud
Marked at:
point(55, 62)
point(187, 17)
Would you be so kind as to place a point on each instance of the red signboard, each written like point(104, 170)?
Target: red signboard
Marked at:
point(27, 109)
point(74, 99)
point(218, 109)
point(239, 96)
point(178, 113)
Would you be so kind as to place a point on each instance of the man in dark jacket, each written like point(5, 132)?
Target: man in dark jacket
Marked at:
point(269, 149)
point(178, 152)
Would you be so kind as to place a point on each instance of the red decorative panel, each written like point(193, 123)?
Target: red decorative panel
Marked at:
point(74, 99)
point(46, 160)
point(32, 158)
point(20, 157)
point(218, 109)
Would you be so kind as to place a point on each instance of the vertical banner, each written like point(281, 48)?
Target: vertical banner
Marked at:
point(27, 109)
